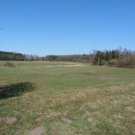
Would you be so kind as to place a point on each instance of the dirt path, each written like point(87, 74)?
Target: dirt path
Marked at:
point(76, 65)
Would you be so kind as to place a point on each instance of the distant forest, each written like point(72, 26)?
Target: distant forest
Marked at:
point(117, 57)
point(11, 56)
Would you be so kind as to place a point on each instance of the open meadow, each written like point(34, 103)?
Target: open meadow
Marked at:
point(64, 98)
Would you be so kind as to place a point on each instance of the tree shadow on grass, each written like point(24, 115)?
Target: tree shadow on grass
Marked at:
point(14, 90)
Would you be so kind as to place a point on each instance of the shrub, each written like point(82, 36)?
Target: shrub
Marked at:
point(128, 62)
point(113, 62)
point(104, 62)
point(9, 64)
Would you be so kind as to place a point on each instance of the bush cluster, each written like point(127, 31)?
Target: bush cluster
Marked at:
point(117, 58)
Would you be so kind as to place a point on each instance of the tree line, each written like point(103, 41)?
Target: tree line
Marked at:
point(11, 56)
point(117, 57)
point(69, 58)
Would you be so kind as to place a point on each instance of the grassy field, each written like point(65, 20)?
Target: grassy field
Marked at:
point(66, 99)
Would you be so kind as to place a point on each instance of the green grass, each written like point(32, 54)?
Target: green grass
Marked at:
point(69, 100)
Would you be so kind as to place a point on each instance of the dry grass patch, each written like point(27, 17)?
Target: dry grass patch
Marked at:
point(104, 107)
point(109, 110)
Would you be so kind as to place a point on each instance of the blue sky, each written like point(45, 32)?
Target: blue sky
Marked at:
point(66, 26)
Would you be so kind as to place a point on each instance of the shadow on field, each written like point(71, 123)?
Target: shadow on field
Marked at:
point(14, 90)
